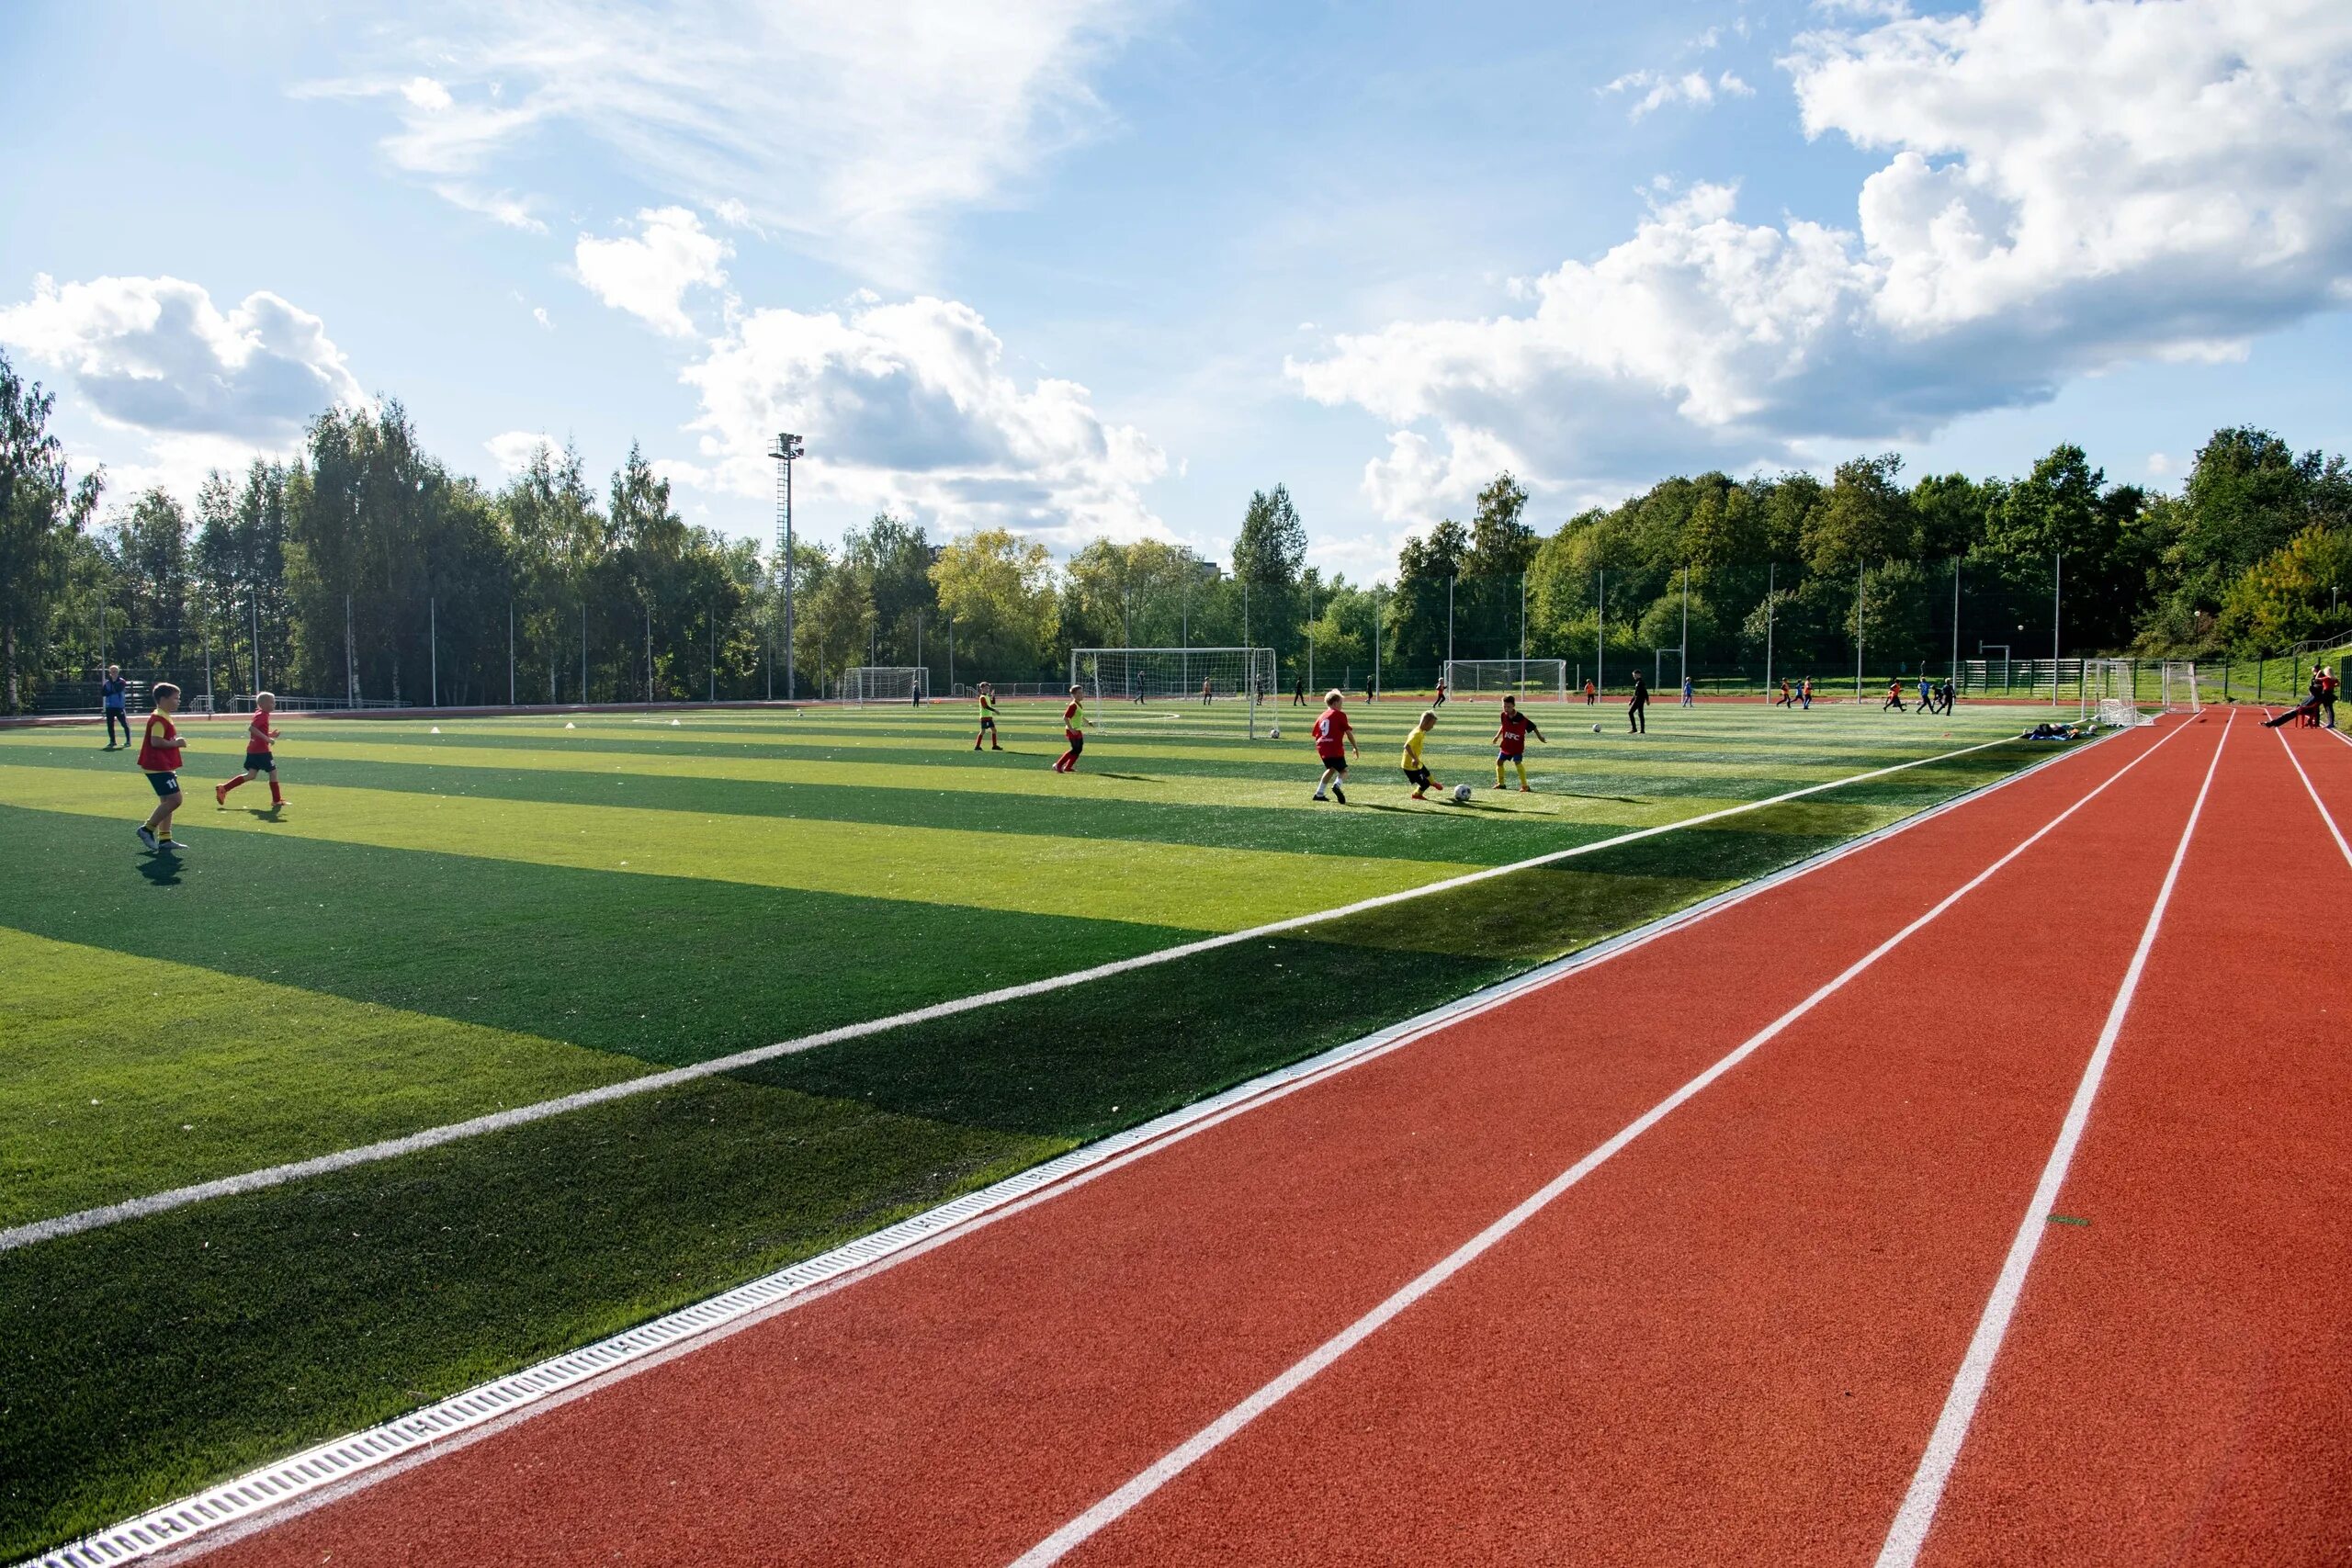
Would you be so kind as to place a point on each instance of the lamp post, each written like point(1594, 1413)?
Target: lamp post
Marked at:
point(787, 446)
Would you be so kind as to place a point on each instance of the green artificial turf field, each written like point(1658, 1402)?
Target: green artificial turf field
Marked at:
point(442, 924)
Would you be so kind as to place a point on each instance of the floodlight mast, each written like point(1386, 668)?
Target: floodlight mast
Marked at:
point(787, 446)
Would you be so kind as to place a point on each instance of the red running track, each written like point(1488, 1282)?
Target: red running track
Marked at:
point(2176, 1386)
point(1727, 1344)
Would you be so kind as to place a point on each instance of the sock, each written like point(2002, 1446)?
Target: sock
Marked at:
point(1523, 776)
point(277, 795)
point(235, 783)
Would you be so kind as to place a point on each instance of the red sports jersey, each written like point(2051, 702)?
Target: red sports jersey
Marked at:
point(1514, 732)
point(163, 758)
point(1331, 733)
point(257, 733)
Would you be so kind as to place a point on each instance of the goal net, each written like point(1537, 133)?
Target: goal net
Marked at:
point(863, 683)
point(1206, 676)
point(2179, 690)
point(2111, 695)
point(1530, 680)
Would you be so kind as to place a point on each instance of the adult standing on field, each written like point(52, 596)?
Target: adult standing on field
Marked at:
point(1637, 707)
point(2327, 684)
point(114, 696)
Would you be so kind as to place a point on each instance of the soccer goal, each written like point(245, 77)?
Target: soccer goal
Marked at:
point(2110, 696)
point(1528, 680)
point(1206, 676)
point(2179, 691)
point(905, 683)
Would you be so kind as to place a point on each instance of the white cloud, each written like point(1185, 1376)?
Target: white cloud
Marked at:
point(852, 129)
point(155, 355)
point(539, 314)
point(2069, 184)
point(1660, 89)
point(649, 276)
point(909, 406)
point(512, 449)
point(2159, 464)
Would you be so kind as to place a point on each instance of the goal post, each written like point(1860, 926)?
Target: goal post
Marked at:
point(905, 683)
point(2110, 694)
point(1208, 676)
point(1528, 680)
point(2179, 687)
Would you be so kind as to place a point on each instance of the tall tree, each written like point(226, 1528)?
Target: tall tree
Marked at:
point(1001, 591)
point(1501, 544)
point(42, 510)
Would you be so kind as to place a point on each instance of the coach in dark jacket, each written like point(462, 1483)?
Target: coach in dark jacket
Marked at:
point(1637, 707)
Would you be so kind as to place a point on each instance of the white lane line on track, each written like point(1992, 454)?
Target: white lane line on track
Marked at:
point(516, 1116)
point(1913, 1520)
point(1119, 1503)
point(262, 1498)
point(2325, 814)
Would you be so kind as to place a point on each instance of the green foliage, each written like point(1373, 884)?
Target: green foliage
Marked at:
point(42, 512)
point(1001, 591)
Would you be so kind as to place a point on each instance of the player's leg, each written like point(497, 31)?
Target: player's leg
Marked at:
point(220, 791)
point(1323, 784)
point(277, 795)
point(1522, 761)
point(1498, 770)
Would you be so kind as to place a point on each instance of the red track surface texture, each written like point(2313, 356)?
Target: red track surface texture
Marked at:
point(1728, 1343)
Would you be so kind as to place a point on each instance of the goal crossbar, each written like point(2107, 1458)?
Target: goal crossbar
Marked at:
point(1207, 675)
point(1537, 680)
point(863, 683)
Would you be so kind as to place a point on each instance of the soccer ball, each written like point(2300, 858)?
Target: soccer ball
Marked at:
point(1595, 730)
point(1275, 733)
point(1461, 795)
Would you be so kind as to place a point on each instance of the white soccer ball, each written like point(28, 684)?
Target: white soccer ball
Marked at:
point(1595, 730)
point(1275, 733)
point(1461, 794)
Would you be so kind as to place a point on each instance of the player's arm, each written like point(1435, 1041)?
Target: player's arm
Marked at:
point(1537, 733)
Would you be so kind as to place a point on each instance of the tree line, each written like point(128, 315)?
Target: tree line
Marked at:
point(366, 568)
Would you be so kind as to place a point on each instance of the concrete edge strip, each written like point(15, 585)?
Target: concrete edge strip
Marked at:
point(102, 1215)
point(343, 1463)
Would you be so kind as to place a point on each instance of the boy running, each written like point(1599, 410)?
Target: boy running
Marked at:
point(159, 758)
point(1417, 771)
point(1510, 742)
point(1440, 701)
point(259, 759)
point(988, 719)
point(1334, 739)
point(1785, 700)
point(1074, 725)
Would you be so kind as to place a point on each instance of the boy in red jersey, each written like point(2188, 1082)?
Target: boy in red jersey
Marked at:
point(1334, 739)
point(159, 758)
point(1074, 724)
point(259, 759)
point(1510, 742)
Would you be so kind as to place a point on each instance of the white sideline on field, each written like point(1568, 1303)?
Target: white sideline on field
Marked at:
point(331, 1469)
point(516, 1116)
point(1205, 1441)
point(1908, 1532)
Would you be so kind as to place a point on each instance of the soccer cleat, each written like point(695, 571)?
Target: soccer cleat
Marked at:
point(1339, 794)
point(220, 794)
point(147, 835)
point(1526, 789)
point(167, 846)
point(1321, 795)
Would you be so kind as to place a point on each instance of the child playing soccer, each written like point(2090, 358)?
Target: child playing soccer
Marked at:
point(259, 760)
point(159, 758)
point(1510, 742)
point(1334, 739)
point(1074, 725)
point(988, 719)
point(1417, 771)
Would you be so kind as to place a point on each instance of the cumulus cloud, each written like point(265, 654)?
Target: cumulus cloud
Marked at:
point(512, 449)
point(1658, 89)
point(849, 128)
point(2069, 184)
point(648, 275)
point(909, 406)
point(155, 355)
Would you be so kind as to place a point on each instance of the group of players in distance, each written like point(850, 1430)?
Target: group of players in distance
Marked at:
point(1335, 740)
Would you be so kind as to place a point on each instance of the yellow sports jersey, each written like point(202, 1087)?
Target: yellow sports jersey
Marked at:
point(1413, 747)
point(988, 708)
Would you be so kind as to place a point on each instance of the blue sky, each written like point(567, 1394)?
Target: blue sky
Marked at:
point(1082, 267)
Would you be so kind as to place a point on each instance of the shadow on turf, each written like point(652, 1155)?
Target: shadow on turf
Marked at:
point(162, 869)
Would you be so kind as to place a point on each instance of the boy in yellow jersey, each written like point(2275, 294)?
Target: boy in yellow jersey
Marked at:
point(1074, 727)
point(988, 719)
point(1417, 771)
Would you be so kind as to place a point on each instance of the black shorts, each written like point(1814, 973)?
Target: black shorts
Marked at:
point(260, 763)
point(1077, 742)
point(166, 783)
point(1517, 757)
point(1419, 778)
point(987, 723)
point(1336, 764)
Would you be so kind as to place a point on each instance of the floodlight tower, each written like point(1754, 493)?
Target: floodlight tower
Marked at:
point(786, 449)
